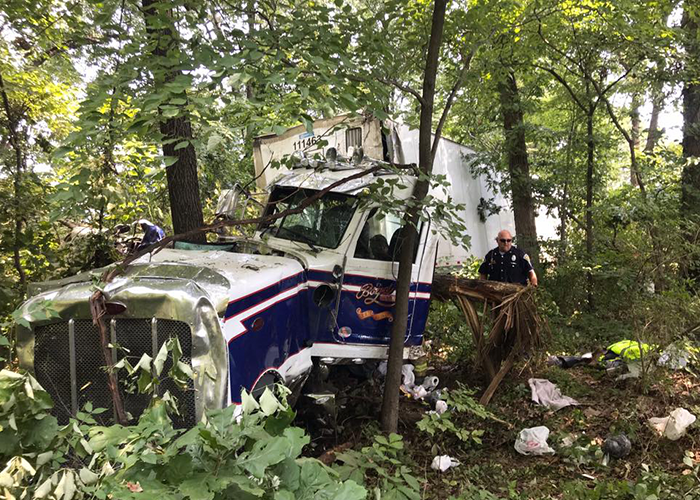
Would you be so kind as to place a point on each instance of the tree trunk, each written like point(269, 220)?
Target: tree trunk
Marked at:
point(634, 116)
point(690, 178)
point(250, 14)
point(390, 401)
point(519, 168)
point(13, 136)
point(654, 134)
point(183, 184)
point(590, 166)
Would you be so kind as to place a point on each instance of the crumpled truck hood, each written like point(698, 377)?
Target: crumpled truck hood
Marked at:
point(222, 275)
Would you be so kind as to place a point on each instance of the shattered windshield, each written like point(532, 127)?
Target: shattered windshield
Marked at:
point(323, 223)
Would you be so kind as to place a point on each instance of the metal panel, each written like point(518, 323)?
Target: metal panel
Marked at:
point(52, 366)
point(73, 376)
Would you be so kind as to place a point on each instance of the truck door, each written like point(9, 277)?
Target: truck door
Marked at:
point(366, 308)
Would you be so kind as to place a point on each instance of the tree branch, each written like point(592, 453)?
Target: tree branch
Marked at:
point(566, 85)
point(448, 104)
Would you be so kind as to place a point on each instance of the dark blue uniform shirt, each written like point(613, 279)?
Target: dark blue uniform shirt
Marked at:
point(511, 267)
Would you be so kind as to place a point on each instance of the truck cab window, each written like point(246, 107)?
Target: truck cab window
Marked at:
point(381, 238)
point(323, 223)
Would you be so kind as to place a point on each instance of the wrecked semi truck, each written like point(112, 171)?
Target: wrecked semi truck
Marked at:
point(318, 285)
point(247, 312)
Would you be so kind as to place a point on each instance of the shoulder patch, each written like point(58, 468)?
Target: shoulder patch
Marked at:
point(526, 257)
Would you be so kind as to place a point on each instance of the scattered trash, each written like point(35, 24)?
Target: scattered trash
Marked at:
point(434, 397)
point(430, 383)
point(440, 407)
point(678, 356)
point(418, 392)
point(408, 376)
point(634, 371)
point(568, 441)
point(617, 446)
point(533, 441)
point(408, 382)
point(546, 394)
point(569, 361)
point(443, 462)
point(674, 426)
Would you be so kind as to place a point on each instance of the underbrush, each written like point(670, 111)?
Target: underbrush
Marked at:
point(246, 452)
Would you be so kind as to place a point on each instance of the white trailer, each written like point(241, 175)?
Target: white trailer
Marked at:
point(398, 143)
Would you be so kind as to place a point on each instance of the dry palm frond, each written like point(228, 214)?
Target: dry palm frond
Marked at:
point(517, 325)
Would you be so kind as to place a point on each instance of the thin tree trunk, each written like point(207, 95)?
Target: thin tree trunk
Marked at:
point(249, 89)
point(564, 203)
point(519, 168)
point(636, 124)
point(654, 134)
point(13, 136)
point(183, 184)
point(590, 168)
point(690, 178)
point(390, 401)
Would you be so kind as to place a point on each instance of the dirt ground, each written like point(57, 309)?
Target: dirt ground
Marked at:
point(607, 407)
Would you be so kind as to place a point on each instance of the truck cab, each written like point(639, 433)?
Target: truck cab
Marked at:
point(312, 282)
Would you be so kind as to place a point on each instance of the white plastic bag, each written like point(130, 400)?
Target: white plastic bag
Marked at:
point(409, 378)
point(440, 407)
point(533, 441)
point(443, 462)
point(674, 426)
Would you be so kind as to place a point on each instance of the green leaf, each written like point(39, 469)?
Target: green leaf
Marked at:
point(285, 495)
point(268, 402)
point(181, 145)
point(279, 129)
point(161, 358)
point(178, 467)
point(197, 487)
point(264, 454)
point(61, 152)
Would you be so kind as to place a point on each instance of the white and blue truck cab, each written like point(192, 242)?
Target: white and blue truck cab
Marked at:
point(317, 283)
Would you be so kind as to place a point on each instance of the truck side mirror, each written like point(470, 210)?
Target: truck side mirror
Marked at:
point(324, 295)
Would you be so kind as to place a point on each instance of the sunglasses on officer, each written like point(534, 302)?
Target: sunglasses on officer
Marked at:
point(504, 240)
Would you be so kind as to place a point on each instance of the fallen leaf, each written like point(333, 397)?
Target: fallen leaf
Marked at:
point(134, 487)
point(591, 412)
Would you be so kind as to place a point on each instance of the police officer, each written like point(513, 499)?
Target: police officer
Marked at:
point(507, 263)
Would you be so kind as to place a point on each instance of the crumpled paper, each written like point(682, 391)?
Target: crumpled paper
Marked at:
point(443, 462)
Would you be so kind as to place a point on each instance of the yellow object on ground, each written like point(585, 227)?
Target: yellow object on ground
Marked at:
point(627, 350)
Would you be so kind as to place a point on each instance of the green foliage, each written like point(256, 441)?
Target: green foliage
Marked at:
point(450, 336)
point(25, 425)
point(456, 421)
point(252, 455)
point(652, 485)
point(383, 466)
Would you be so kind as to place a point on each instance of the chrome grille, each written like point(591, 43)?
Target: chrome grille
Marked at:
point(68, 364)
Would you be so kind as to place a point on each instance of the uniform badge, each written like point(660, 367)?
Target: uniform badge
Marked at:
point(526, 257)
point(513, 258)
